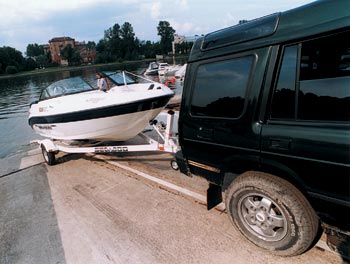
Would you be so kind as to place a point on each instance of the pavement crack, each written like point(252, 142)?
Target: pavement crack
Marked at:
point(19, 170)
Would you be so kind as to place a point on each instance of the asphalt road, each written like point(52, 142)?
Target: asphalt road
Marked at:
point(91, 209)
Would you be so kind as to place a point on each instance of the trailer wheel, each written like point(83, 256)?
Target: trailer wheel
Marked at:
point(174, 165)
point(272, 213)
point(49, 157)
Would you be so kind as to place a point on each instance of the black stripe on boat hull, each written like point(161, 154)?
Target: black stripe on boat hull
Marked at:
point(114, 110)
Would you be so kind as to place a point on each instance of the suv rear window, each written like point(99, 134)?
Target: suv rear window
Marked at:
point(317, 86)
point(220, 88)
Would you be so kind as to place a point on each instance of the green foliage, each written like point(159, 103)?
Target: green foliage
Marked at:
point(183, 48)
point(30, 64)
point(91, 45)
point(113, 41)
point(11, 57)
point(43, 61)
point(34, 50)
point(166, 33)
point(128, 42)
point(119, 43)
point(11, 70)
point(71, 55)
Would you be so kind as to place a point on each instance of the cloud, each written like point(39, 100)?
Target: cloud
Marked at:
point(155, 10)
point(183, 4)
point(182, 28)
point(229, 20)
point(13, 12)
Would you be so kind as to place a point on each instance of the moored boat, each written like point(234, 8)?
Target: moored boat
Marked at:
point(152, 69)
point(72, 109)
point(180, 73)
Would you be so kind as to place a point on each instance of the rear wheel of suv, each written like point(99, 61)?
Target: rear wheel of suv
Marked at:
point(272, 213)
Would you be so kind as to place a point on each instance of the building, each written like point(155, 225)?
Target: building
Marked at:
point(57, 44)
point(86, 55)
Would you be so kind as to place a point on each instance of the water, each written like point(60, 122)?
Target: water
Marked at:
point(16, 95)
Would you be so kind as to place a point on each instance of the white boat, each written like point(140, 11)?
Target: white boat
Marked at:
point(72, 109)
point(180, 73)
point(162, 68)
point(168, 70)
point(152, 69)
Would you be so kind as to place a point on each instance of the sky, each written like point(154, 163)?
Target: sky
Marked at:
point(26, 22)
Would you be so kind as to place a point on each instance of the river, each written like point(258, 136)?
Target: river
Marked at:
point(17, 93)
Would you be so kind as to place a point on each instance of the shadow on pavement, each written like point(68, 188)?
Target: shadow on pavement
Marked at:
point(29, 230)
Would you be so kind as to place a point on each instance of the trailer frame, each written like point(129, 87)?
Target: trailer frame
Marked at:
point(51, 147)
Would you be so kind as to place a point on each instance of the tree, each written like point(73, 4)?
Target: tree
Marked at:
point(101, 51)
point(149, 49)
point(76, 58)
point(119, 43)
point(91, 45)
point(30, 64)
point(11, 70)
point(43, 61)
point(128, 44)
point(34, 50)
point(166, 33)
point(112, 37)
point(184, 47)
point(71, 55)
point(11, 57)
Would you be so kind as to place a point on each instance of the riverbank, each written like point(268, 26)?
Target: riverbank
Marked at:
point(122, 65)
point(69, 68)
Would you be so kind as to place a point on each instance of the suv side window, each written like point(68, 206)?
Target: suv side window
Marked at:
point(283, 104)
point(318, 84)
point(324, 92)
point(220, 88)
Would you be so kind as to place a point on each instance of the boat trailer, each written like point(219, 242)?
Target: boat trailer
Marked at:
point(169, 143)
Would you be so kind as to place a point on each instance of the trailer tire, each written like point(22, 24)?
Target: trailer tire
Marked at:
point(49, 157)
point(272, 213)
point(174, 165)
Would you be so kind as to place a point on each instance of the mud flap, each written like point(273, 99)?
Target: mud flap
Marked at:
point(338, 240)
point(214, 196)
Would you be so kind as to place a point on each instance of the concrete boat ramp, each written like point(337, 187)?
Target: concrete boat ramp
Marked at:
point(120, 208)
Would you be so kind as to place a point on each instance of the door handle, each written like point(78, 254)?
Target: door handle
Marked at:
point(283, 144)
point(205, 133)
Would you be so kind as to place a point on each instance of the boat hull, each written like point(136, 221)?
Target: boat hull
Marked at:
point(114, 128)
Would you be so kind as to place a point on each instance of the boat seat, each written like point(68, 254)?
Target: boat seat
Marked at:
point(151, 86)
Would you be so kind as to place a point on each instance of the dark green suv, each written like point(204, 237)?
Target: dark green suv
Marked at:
point(265, 118)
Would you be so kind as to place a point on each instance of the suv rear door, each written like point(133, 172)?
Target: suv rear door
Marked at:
point(307, 133)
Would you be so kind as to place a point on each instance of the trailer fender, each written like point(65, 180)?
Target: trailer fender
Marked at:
point(49, 145)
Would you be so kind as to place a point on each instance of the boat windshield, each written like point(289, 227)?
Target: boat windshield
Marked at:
point(153, 66)
point(64, 87)
point(124, 78)
point(118, 78)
